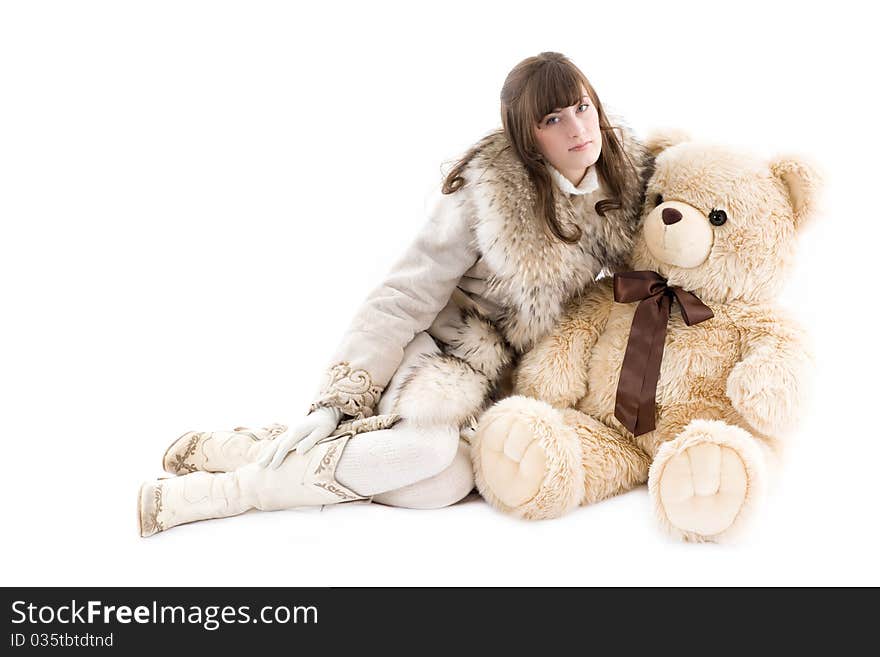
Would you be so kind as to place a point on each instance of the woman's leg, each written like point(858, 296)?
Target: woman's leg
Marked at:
point(378, 461)
point(373, 462)
point(217, 451)
point(225, 451)
point(368, 464)
point(342, 469)
point(444, 489)
point(300, 480)
point(415, 467)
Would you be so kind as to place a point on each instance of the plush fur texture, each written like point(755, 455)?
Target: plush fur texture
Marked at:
point(765, 206)
point(730, 388)
point(532, 276)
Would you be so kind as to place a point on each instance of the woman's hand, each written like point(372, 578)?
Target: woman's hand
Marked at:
point(316, 426)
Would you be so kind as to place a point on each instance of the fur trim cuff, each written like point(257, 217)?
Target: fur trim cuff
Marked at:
point(479, 344)
point(442, 389)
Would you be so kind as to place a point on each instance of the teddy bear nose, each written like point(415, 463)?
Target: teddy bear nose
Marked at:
point(671, 216)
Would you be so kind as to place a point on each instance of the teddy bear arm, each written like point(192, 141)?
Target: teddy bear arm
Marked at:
point(769, 385)
point(555, 370)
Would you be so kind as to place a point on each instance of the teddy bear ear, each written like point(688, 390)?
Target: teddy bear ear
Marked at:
point(802, 180)
point(659, 140)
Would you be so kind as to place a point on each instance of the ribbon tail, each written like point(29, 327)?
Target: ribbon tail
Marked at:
point(654, 358)
point(637, 384)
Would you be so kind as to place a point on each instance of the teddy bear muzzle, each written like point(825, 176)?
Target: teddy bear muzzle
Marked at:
point(678, 234)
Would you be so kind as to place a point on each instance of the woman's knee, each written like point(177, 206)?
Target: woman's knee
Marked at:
point(457, 480)
point(449, 486)
point(436, 448)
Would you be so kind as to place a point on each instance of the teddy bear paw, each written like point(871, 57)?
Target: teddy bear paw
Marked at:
point(514, 464)
point(704, 480)
point(703, 488)
point(527, 461)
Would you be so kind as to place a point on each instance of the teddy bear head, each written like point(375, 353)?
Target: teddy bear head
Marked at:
point(720, 223)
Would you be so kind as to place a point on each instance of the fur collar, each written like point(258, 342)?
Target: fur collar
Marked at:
point(534, 274)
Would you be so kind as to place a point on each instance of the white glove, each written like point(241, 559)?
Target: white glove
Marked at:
point(316, 426)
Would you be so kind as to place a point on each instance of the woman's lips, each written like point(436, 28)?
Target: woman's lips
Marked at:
point(581, 147)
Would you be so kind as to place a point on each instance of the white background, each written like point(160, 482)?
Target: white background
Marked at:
point(195, 197)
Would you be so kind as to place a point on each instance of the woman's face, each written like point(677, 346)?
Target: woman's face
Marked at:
point(569, 138)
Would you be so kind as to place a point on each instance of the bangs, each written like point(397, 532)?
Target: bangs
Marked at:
point(551, 88)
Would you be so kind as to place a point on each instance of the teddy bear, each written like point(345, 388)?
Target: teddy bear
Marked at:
point(682, 373)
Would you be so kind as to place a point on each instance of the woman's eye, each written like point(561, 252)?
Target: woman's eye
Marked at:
point(658, 200)
point(717, 217)
point(551, 120)
point(585, 106)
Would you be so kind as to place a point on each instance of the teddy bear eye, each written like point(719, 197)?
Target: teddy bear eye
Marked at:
point(658, 200)
point(717, 217)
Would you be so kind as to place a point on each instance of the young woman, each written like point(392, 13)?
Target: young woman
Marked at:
point(529, 216)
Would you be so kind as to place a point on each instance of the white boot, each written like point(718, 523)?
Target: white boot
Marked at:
point(301, 480)
point(225, 451)
point(217, 451)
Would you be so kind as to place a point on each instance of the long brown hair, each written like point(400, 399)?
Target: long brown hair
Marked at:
point(533, 89)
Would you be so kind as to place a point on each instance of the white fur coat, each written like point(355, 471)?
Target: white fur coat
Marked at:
point(486, 281)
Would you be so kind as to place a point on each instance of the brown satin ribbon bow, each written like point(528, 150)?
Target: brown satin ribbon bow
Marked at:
point(640, 372)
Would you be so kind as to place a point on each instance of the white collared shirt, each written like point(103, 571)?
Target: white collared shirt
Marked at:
point(588, 185)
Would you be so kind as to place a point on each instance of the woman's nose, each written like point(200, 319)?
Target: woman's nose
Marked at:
point(576, 129)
